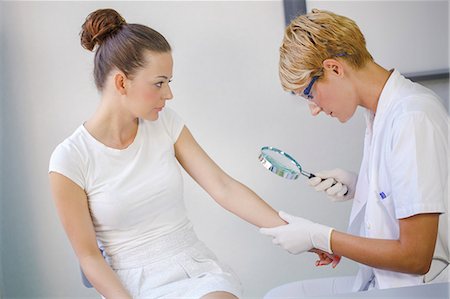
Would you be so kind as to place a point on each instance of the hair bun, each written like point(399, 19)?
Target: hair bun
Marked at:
point(98, 26)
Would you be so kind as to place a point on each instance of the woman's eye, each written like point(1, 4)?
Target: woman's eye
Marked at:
point(160, 84)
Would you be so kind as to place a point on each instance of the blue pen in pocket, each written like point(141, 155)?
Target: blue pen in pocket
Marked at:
point(382, 195)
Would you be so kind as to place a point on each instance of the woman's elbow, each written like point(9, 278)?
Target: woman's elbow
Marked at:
point(424, 268)
point(420, 266)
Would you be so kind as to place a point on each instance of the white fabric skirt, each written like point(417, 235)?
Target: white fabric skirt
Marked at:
point(177, 265)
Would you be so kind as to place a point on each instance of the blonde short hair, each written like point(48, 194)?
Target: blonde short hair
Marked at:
point(311, 38)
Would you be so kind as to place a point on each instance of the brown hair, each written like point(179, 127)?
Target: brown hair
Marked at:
point(119, 44)
point(314, 37)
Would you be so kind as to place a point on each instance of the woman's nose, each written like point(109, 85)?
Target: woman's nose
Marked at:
point(168, 95)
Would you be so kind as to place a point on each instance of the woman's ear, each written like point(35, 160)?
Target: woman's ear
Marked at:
point(333, 66)
point(120, 83)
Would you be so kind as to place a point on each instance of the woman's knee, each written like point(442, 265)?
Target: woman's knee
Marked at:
point(219, 295)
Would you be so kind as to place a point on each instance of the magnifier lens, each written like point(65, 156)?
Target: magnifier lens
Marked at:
point(282, 164)
point(279, 164)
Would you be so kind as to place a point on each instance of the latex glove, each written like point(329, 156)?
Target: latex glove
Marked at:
point(338, 184)
point(300, 235)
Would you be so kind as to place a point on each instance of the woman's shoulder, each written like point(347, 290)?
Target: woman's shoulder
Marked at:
point(68, 158)
point(416, 100)
point(73, 145)
point(168, 115)
point(168, 121)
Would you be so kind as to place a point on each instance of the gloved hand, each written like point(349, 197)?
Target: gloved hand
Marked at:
point(344, 183)
point(300, 235)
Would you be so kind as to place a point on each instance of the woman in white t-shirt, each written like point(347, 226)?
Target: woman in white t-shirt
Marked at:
point(117, 185)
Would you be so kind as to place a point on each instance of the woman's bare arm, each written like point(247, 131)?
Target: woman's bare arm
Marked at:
point(72, 207)
point(411, 253)
point(229, 193)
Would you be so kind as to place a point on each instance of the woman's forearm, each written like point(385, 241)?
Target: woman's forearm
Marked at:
point(389, 255)
point(103, 278)
point(229, 193)
point(246, 204)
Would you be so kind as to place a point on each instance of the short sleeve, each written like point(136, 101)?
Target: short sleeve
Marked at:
point(418, 166)
point(66, 160)
point(172, 122)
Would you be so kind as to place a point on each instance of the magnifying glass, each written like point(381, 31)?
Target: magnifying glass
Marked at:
point(283, 164)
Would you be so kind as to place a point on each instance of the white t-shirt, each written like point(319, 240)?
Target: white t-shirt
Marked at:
point(403, 172)
point(135, 195)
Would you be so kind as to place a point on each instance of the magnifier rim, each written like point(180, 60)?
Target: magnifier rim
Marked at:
point(284, 154)
point(274, 149)
point(280, 171)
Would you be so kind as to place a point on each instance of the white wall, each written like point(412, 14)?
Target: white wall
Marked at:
point(441, 87)
point(398, 32)
point(1, 147)
point(226, 87)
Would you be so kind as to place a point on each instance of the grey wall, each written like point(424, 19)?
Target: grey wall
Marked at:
point(441, 87)
point(1, 146)
point(226, 87)
point(405, 37)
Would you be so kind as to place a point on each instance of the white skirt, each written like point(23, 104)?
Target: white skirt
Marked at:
point(177, 265)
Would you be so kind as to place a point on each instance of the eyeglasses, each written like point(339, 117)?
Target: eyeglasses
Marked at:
point(306, 94)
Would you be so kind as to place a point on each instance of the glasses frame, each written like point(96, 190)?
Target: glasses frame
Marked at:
point(306, 94)
point(307, 91)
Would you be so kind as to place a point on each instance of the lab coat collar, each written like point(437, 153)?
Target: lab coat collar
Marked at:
point(387, 97)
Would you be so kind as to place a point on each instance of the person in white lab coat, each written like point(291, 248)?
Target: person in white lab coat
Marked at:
point(398, 224)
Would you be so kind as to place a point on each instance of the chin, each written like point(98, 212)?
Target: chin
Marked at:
point(151, 117)
point(343, 120)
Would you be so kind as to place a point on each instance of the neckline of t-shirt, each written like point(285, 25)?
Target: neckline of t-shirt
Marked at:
point(111, 150)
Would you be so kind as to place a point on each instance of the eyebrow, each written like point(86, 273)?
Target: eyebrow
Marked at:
point(165, 77)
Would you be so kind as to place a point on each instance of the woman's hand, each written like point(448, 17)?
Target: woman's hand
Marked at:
point(326, 258)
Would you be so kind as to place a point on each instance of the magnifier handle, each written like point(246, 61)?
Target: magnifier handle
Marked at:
point(310, 176)
point(335, 182)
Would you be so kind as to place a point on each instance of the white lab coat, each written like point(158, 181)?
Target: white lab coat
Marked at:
point(406, 158)
point(404, 172)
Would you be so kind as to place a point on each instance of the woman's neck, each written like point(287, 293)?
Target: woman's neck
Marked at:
point(111, 126)
point(370, 82)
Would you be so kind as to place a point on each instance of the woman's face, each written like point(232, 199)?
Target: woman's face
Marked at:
point(334, 96)
point(148, 90)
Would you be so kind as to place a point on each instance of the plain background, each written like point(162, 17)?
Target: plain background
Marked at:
point(399, 32)
point(226, 88)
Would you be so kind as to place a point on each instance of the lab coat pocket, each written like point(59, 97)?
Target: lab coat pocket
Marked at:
point(389, 227)
point(387, 203)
